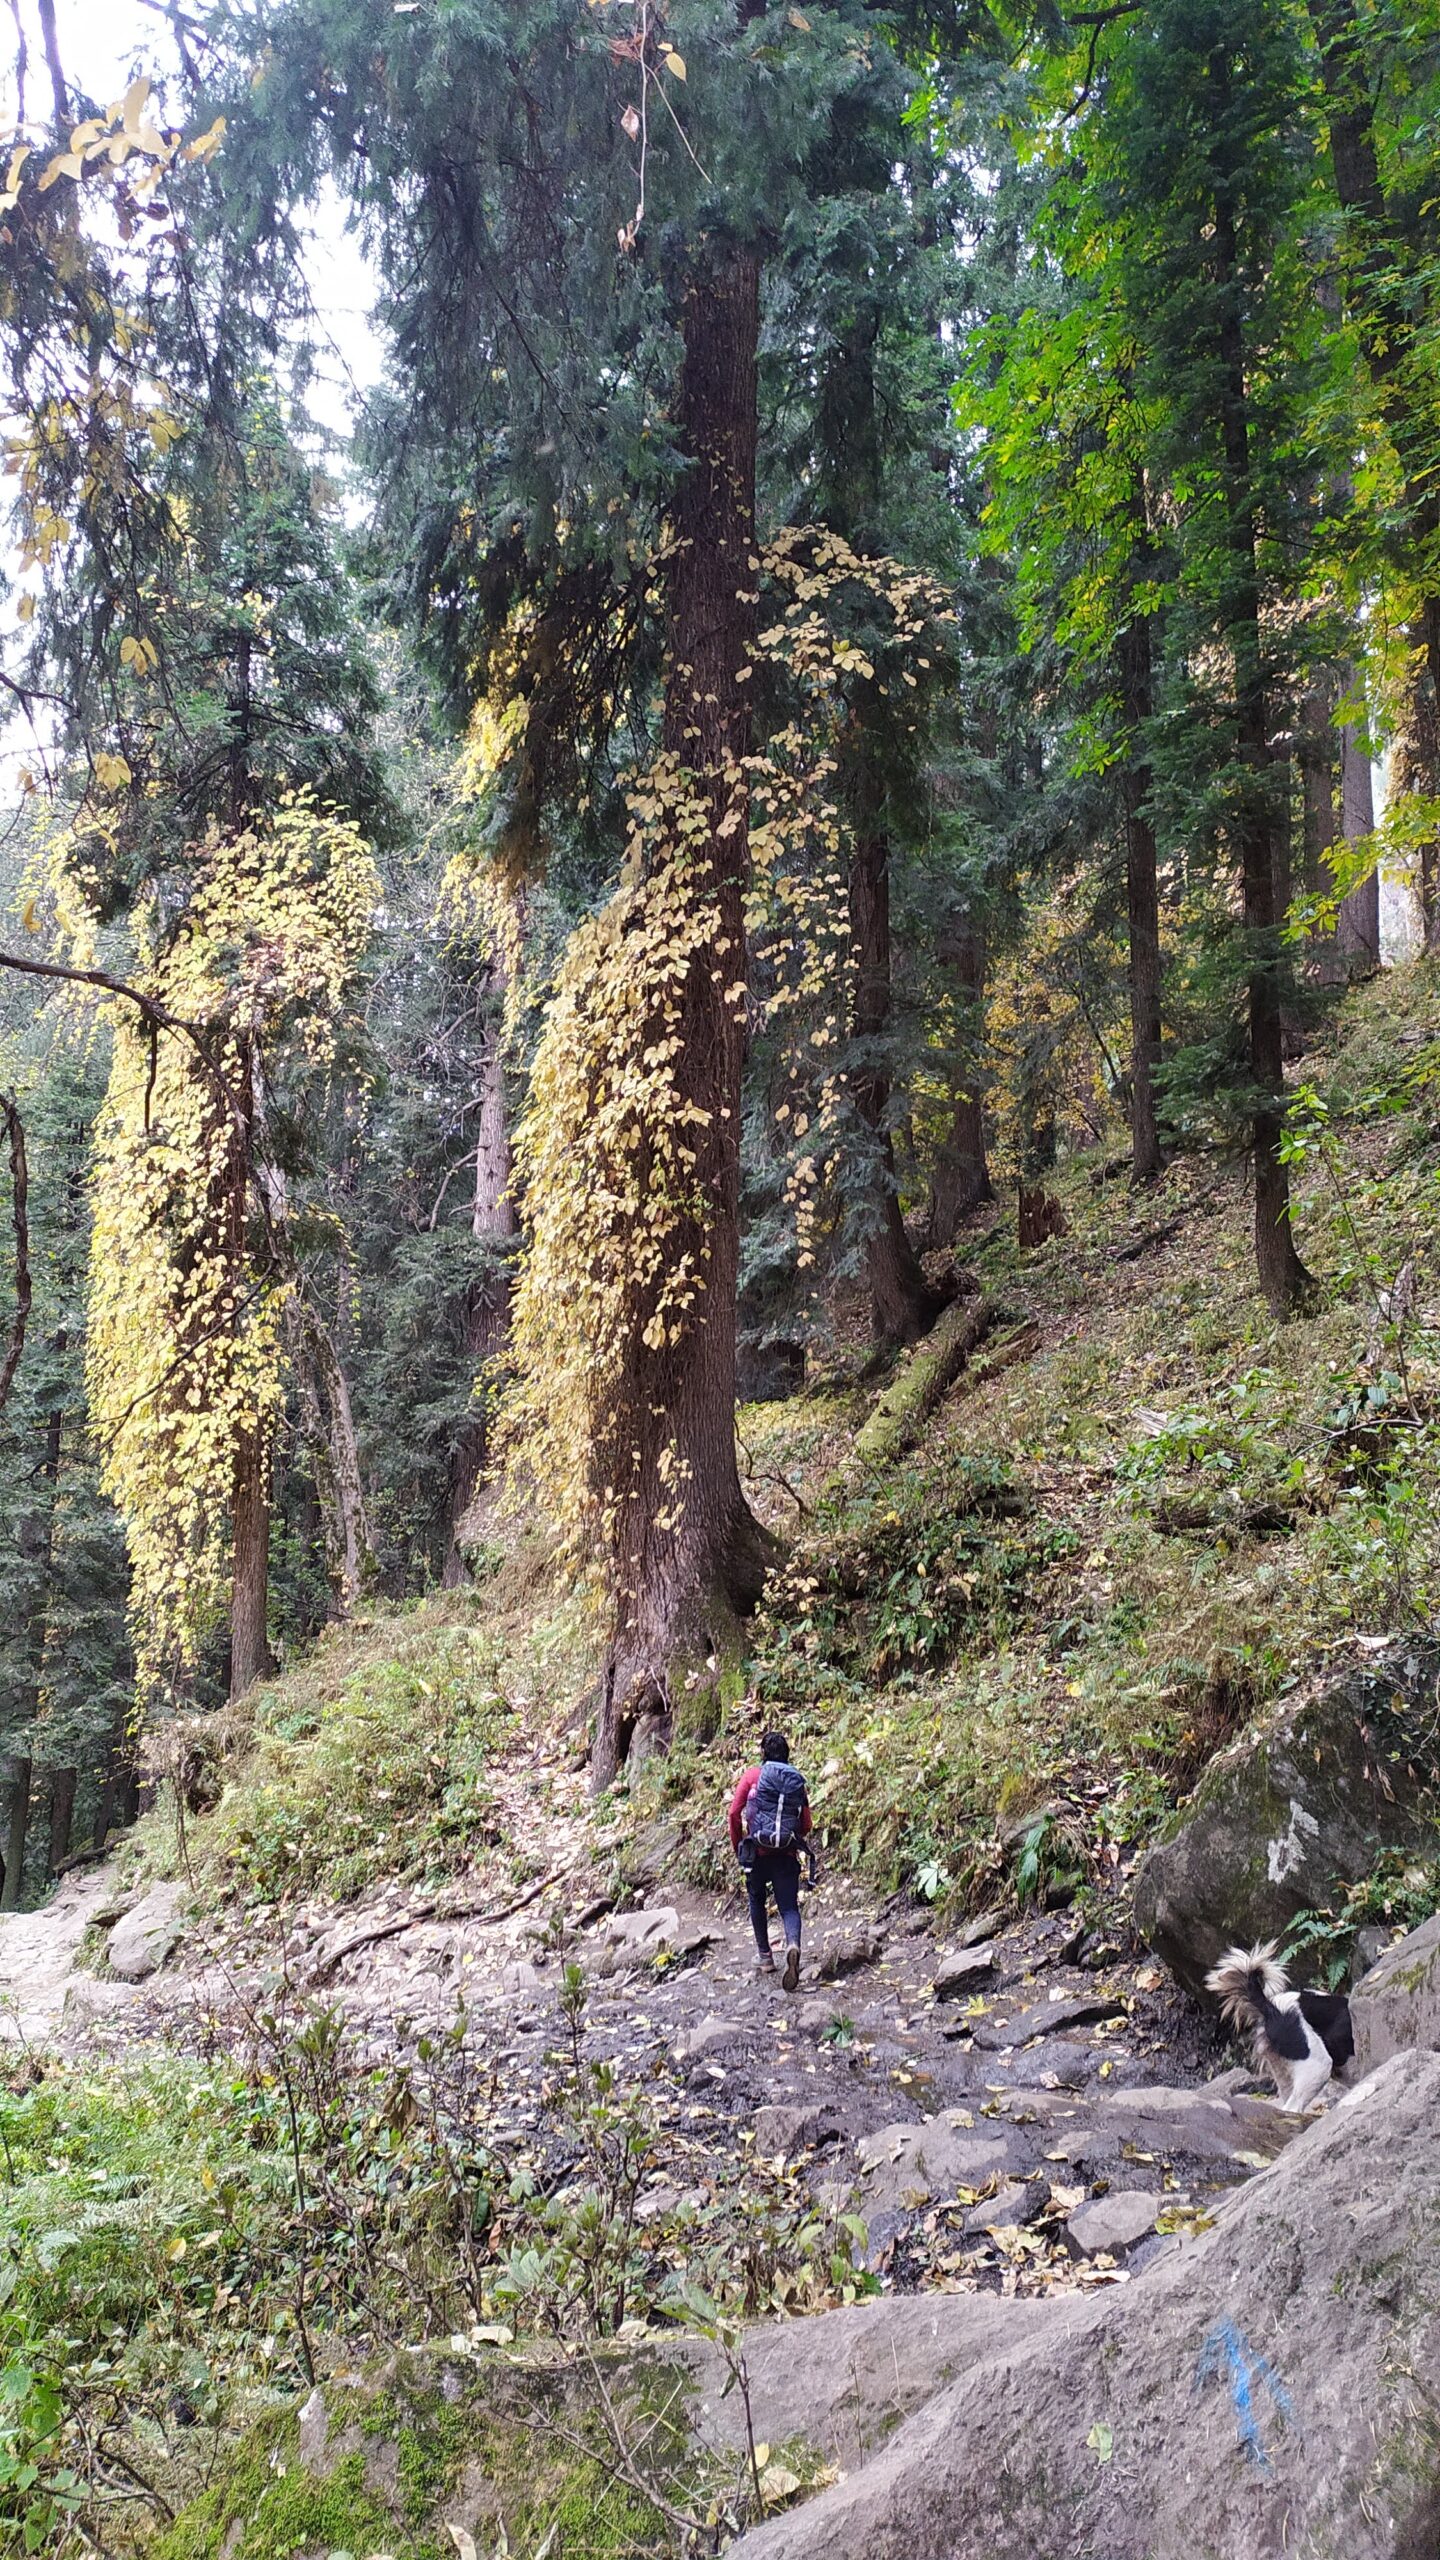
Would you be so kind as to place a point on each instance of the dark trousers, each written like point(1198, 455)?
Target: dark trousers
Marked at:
point(779, 1873)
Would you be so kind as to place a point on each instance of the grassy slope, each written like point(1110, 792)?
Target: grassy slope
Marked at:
point(1134, 1520)
point(1100, 1559)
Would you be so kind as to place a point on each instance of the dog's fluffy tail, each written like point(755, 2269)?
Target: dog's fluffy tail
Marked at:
point(1247, 1981)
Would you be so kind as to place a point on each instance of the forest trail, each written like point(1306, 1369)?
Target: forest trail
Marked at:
point(38, 1951)
point(973, 2103)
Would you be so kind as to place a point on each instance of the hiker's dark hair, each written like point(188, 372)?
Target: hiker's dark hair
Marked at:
point(773, 1746)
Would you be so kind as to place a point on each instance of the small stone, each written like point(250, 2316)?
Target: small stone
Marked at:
point(314, 2426)
point(1098, 1954)
point(847, 1954)
point(1112, 2223)
point(1018, 2202)
point(984, 1926)
point(782, 2131)
point(1370, 1945)
point(637, 1936)
point(906, 2165)
point(710, 2039)
point(817, 2018)
point(961, 1972)
point(659, 2201)
point(1046, 2018)
point(89, 1996)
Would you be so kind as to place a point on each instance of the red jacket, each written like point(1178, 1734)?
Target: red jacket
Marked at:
point(740, 1800)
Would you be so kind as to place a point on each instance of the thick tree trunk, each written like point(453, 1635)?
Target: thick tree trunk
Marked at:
point(688, 1554)
point(493, 1222)
point(342, 1490)
point(62, 1813)
point(902, 1303)
point(961, 1180)
point(17, 1826)
point(1283, 1277)
point(1142, 894)
point(119, 1789)
point(250, 1656)
point(59, 86)
point(1393, 266)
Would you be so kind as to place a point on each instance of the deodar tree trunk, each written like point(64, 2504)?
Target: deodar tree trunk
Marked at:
point(1391, 269)
point(495, 1225)
point(903, 1306)
point(1142, 888)
point(961, 1180)
point(688, 1555)
point(902, 1303)
point(1142, 903)
point(1282, 1275)
point(250, 1656)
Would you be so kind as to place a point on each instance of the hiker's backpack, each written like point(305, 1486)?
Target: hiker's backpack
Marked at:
point(777, 1806)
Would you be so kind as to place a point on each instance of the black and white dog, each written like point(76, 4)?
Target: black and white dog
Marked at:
point(1301, 2037)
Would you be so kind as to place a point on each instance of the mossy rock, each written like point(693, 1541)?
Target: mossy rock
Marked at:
point(500, 2450)
point(1301, 1805)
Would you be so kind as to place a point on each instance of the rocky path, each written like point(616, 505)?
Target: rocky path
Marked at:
point(1022, 2107)
point(37, 1955)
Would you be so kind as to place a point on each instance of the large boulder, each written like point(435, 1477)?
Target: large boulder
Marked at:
point(150, 1930)
point(1298, 1807)
point(1261, 2389)
point(1398, 2001)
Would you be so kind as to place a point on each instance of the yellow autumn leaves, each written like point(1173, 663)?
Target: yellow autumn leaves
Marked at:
point(185, 1341)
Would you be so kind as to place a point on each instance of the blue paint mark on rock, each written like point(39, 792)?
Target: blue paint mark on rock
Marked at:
point(1227, 2356)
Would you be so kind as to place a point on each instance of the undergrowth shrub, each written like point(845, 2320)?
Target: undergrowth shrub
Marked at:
point(178, 2239)
point(899, 1580)
point(390, 1773)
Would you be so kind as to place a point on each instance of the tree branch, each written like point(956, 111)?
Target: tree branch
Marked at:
point(157, 1015)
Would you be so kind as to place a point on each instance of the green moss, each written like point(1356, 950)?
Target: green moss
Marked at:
point(281, 2509)
point(263, 2505)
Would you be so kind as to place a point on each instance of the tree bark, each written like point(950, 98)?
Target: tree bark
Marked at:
point(1391, 268)
point(59, 89)
point(961, 1180)
point(348, 1541)
point(1283, 1277)
point(1142, 894)
point(486, 1323)
point(250, 1656)
point(902, 1303)
point(62, 1813)
point(17, 1826)
point(688, 1554)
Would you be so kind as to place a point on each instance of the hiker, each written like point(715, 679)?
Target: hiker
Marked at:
point(769, 1817)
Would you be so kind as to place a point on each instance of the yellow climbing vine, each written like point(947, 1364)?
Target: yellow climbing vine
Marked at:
point(186, 1290)
point(605, 1154)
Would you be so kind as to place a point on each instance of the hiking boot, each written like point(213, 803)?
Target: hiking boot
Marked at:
point(789, 1980)
point(764, 1964)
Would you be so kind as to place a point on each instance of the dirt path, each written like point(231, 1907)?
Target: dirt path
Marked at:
point(37, 1955)
point(974, 2105)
